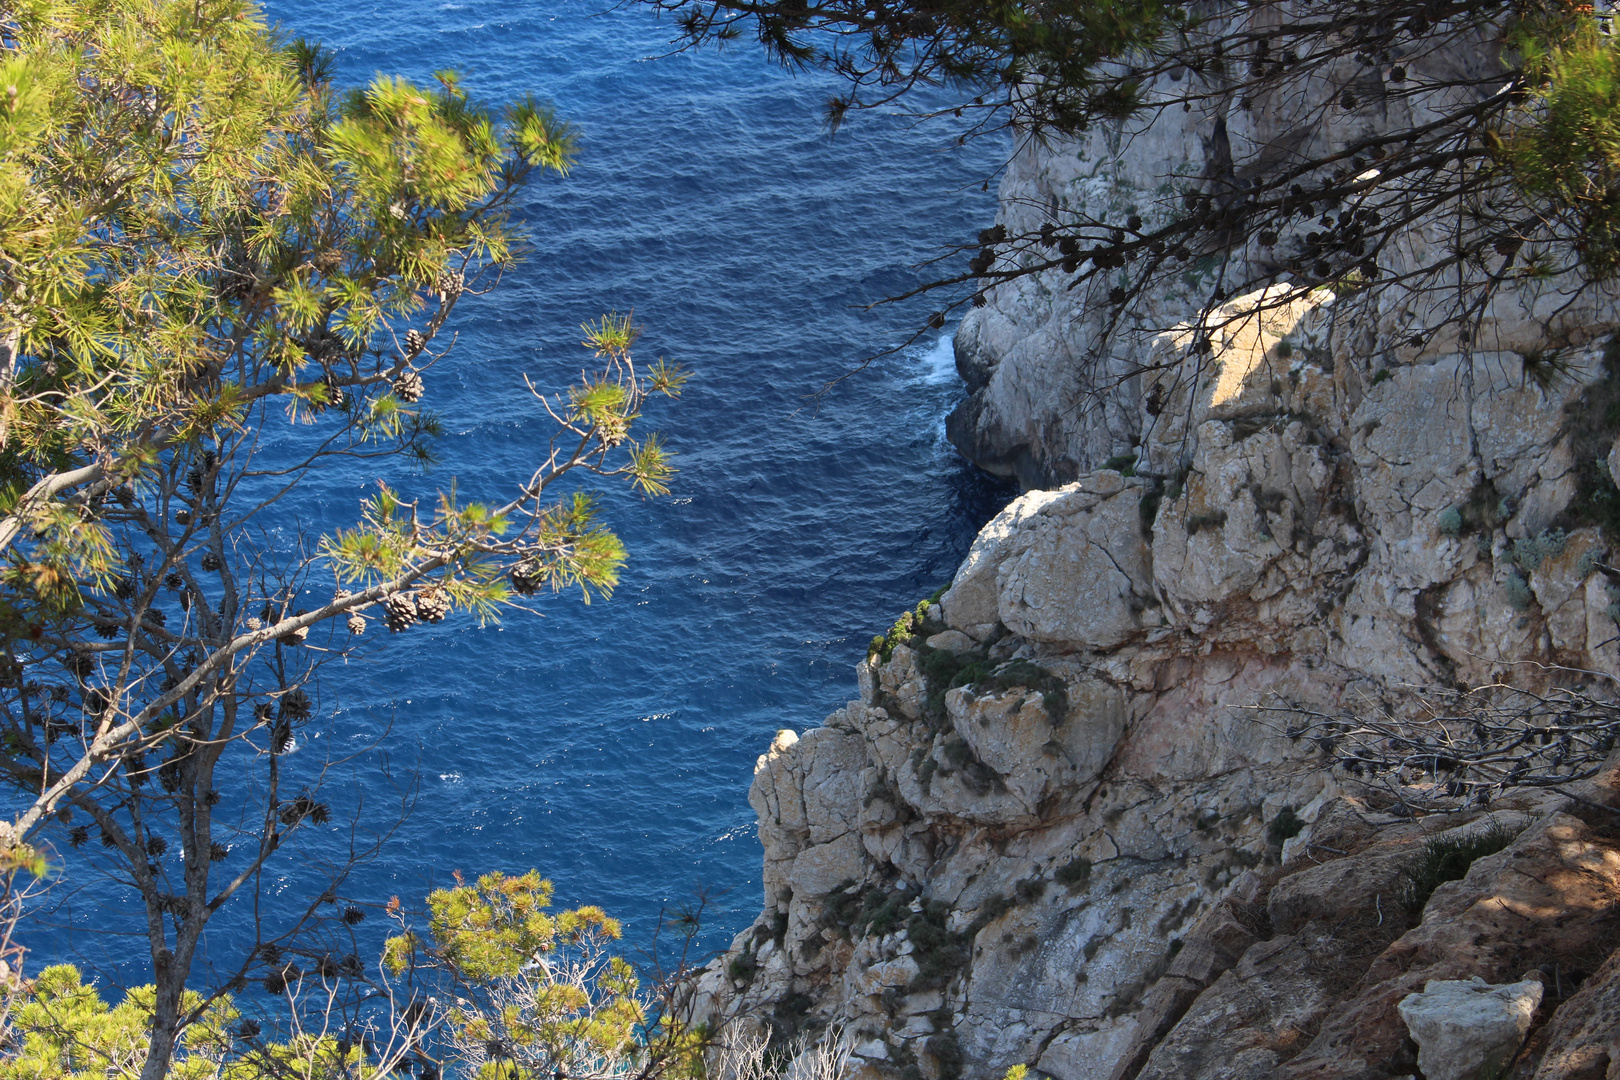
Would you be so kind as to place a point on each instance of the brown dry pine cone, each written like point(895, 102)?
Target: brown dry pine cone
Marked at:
point(408, 387)
point(399, 612)
point(432, 605)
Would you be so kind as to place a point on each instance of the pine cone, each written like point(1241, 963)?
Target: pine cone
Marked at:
point(254, 624)
point(335, 397)
point(414, 341)
point(408, 387)
point(295, 704)
point(449, 283)
point(211, 562)
point(107, 630)
point(218, 852)
point(154, 617)
point(357, 624)
point(173, 581)
point(182, 517)
point(432, 605)
point(525, 578)
point(341, 595)
point(124, 588)
point(399, 612)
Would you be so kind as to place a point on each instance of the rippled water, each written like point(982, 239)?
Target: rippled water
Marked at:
point(612, 746)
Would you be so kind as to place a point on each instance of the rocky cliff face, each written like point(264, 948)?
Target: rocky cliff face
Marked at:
point(1053, 830)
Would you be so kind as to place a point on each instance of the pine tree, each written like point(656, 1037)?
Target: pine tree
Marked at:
point(203, 240)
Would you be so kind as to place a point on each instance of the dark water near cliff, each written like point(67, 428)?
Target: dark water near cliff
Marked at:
point(612, 746)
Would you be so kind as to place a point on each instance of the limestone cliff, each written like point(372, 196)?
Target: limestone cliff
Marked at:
point(1052, 830)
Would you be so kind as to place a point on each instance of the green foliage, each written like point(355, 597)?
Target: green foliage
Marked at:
point(1594, 421)
point(940, 954)
point(1531, 551)
point(858, 912)
point(1480, 514)
point(535, 983)
point(65, 1029)
point(1450, 522)
point(207, 247)
point(1147, 507)
point(538, 988)
point(1565, 146)
point(1447, 858)
point(1124, 464)
point(946, 1050)
point(944, 671)
point(1285, 826)
point(1517, 591)
point(911, 628)
point(888, 47)
point(1074, 875)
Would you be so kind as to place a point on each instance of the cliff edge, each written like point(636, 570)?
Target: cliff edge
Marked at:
point(1067, 824)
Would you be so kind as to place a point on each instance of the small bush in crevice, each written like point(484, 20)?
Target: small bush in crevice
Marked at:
point(1531, 551)
point(1447, 858)
point(859, 912)
point(1124, 464)
point(1074, 875)
point(947, 1054)
point(944, 671)
point(743, 966)
point(992, 909)
point(1480, 513)
point(911, 628)
point(1517, 591)
point(1147, 507)
point(1029, 890)
point(791, 1016)
point(1594, 421)
point(939, 953)
point(1284, 827)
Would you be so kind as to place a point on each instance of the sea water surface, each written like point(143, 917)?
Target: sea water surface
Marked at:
point(611, 746)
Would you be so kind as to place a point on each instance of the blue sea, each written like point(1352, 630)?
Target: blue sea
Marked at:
point(611, 746)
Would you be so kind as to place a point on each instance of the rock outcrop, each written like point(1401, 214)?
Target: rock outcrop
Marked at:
point(1062, 826)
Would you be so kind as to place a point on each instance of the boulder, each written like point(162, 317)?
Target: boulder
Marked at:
point(1467, 1029)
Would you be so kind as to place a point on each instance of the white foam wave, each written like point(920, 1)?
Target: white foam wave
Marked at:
point(938, 364)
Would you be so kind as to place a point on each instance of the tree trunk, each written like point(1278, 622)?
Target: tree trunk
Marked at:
point(171, 982)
